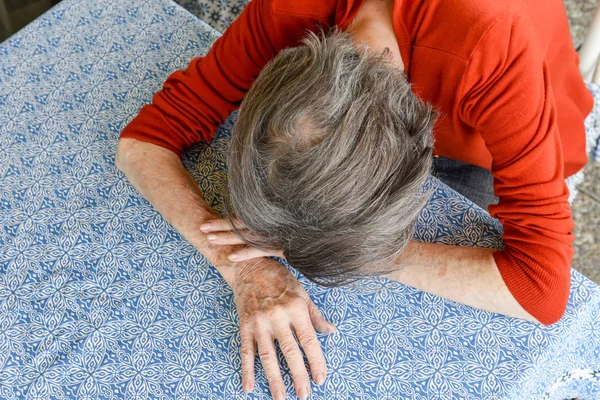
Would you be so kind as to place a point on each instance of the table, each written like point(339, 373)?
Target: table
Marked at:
point(101, 298)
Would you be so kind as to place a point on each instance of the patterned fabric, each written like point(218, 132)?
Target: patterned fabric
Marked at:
point(593, 124)
point(217, 13)
point(592, 131)
point(101, 298)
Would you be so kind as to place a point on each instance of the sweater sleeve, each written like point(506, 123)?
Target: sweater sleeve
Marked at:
point(507, 97)
point(194, 102)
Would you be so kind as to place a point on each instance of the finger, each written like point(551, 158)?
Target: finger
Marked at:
point(305, 332)
point(224, 237)
point(248, 253)
point(221, 224)
point(247, 352)
point(268, 358)
point(293, 356)
point(318, 320)
point(278, 253)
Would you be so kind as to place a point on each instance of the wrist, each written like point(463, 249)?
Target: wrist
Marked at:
point(243, 270)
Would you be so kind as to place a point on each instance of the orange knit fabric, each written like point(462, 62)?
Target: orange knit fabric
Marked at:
point(503, 74)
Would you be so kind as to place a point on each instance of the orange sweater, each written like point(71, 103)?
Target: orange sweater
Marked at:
point(504, 75)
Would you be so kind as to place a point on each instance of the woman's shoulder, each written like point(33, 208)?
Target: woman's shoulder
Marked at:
point(458, 26)
point(321, 9)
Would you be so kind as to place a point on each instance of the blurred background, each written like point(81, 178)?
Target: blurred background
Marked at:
point(15, 14)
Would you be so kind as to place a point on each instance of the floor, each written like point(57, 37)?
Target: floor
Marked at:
point(15, 14)
point(586, 208)
point(586, 214)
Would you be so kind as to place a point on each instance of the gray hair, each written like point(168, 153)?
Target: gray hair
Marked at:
point(328, 157)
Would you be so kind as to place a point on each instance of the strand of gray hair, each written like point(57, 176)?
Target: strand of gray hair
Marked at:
point(328, 158)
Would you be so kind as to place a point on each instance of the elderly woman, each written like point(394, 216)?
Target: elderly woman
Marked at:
point(333, 142)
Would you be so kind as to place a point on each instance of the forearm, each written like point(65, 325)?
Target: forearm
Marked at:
point(463, 274)
point(161, 178)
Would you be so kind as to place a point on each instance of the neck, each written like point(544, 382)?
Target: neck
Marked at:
point(373, 27)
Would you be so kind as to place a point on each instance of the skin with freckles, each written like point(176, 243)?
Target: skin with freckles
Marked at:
point(269, 308)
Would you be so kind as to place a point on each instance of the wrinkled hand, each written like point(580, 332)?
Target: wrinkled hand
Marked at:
point(272, 304)
point(220, 232)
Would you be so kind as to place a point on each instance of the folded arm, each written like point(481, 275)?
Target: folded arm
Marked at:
point(162, 179)
point(194, 101)
point(507, 97)
point(466, 275)
point(269, 300)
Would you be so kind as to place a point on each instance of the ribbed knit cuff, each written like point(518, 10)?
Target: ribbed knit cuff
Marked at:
point(541, 292)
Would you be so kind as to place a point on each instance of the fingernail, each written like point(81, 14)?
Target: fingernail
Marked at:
point(247, 388)
point(205, 227)
point(212, 237)
point(233, 257)
point(320, 379)
point(303, 393)
point(280, 396)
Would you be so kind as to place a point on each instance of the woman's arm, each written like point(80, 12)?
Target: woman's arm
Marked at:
point(193, 102)
point(507, 97)
point(270, 301)
point(466, 275)
point(162, 179)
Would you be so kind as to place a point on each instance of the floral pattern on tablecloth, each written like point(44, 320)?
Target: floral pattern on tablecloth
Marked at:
point(217, 13)
point(101, 299)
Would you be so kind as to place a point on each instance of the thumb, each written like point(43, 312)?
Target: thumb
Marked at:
point(319, 322)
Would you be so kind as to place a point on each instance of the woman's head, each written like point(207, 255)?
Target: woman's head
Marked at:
point(328, 157)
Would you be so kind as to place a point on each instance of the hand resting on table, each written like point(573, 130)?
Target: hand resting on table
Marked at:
point(271, 303)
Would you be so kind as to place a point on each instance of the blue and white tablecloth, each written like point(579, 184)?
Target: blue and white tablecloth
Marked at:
point(219, 14)
point(101, 299)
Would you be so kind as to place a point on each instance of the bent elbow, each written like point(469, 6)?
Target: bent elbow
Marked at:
point(555, 303)
point(542, 288)
point(123, 149)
